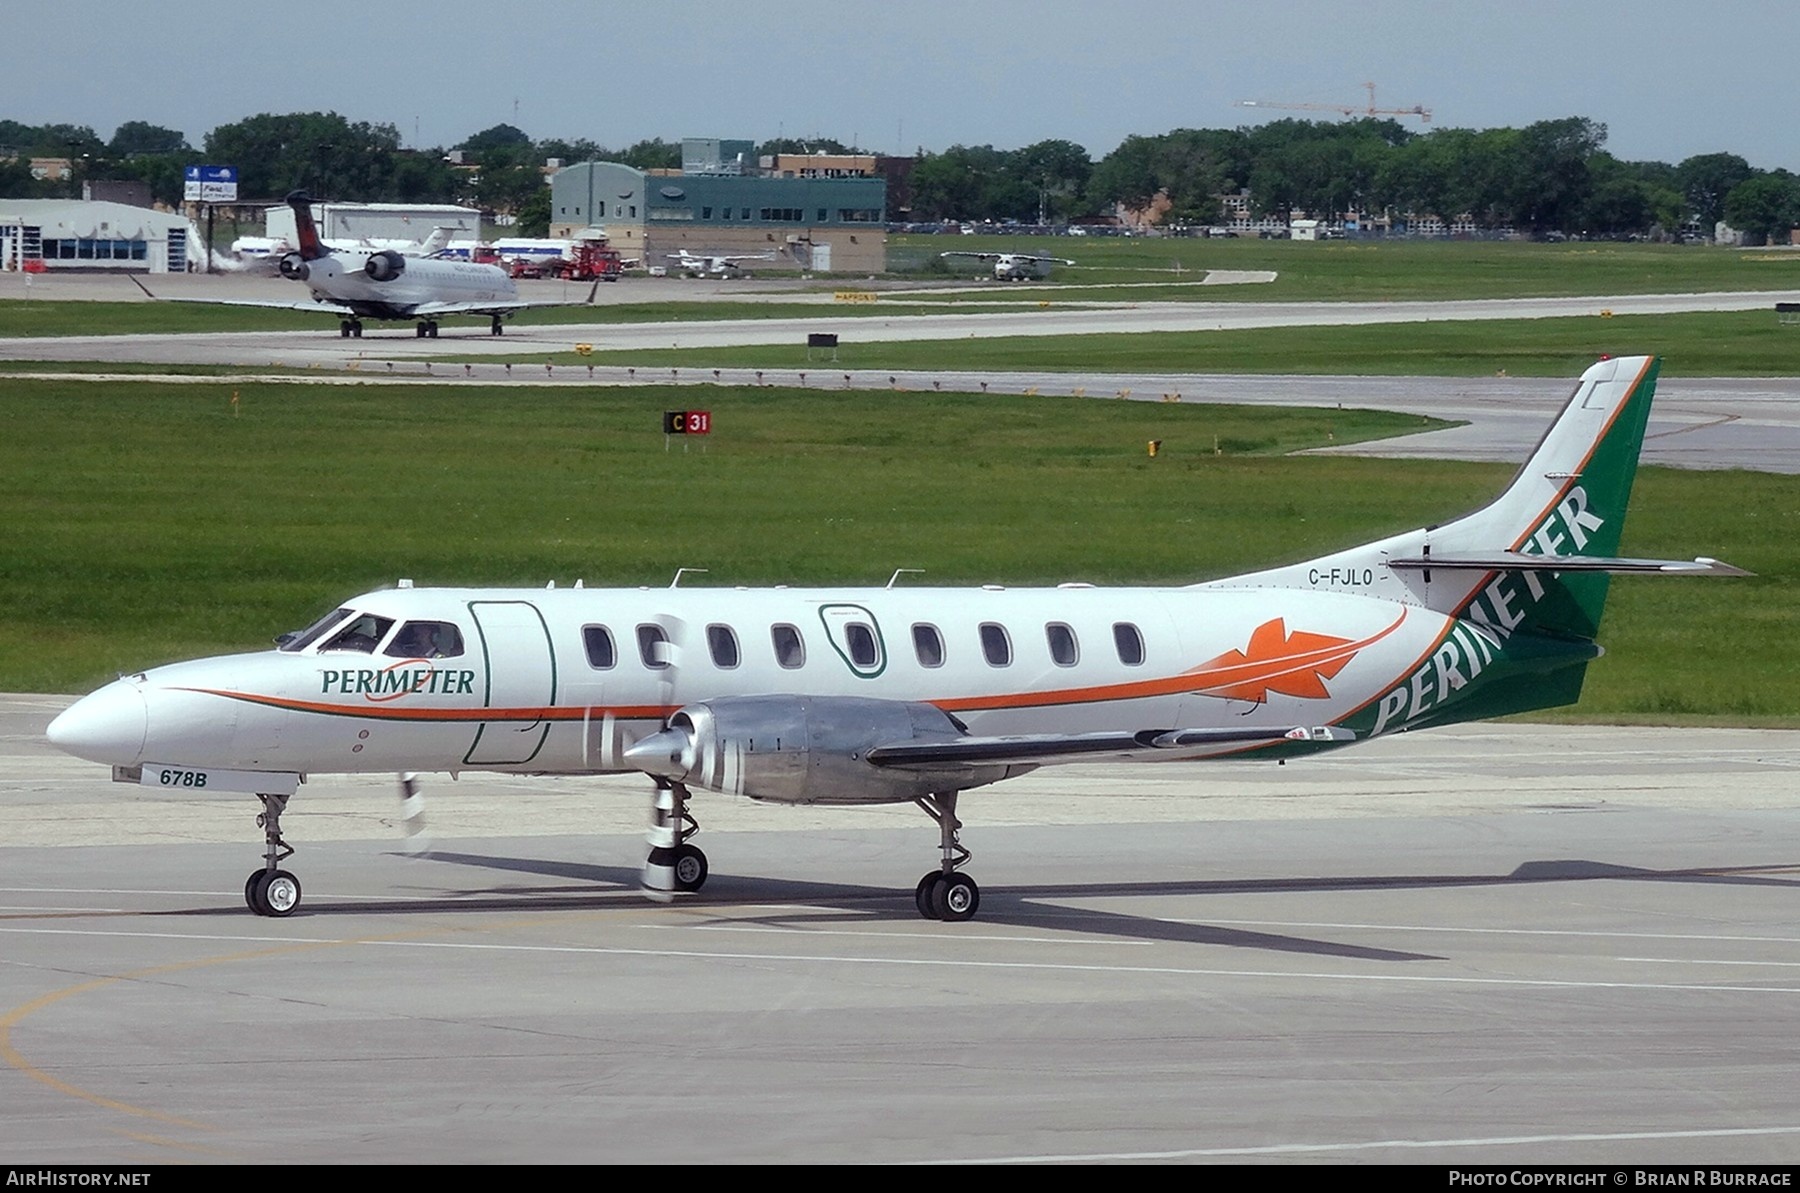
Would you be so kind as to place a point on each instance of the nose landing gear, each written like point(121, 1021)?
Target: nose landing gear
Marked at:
point(271, 890)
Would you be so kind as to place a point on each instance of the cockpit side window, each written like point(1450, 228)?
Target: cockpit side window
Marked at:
point(363, 633)
point(301, 639)
point(426, 640)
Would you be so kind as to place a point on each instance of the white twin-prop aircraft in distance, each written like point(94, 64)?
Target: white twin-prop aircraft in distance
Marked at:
point(388, 284)
point(698, 264)
point(1015, 267)
point(896, 695)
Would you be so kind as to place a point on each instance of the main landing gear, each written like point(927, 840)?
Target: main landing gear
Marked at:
point(946, 893)
point(271, 890)
point(350, 327)
point(672, 865)
point(427, 329)
point(497, 328)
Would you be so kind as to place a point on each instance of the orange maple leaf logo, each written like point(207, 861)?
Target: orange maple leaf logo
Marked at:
point(1296, 664)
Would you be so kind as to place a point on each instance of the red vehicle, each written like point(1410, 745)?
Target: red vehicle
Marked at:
point(524, 267)
point(587, 261)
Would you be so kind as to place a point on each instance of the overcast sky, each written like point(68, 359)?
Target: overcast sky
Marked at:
point(1668, 79)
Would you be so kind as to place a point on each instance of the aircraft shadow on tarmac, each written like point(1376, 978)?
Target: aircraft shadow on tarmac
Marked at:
point(598, 887)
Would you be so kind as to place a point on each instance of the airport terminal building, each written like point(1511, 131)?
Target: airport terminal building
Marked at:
point(822, 225)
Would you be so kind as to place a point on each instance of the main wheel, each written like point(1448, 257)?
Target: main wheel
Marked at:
point(923, 894)
point(690, 868)
point(957, 900)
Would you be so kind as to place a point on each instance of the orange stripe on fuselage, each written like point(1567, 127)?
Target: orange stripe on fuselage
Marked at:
point(1190, 681)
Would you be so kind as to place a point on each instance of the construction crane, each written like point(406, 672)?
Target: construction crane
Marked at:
point(1423, 113)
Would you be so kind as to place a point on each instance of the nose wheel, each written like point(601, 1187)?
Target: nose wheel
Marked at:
point(272, 891)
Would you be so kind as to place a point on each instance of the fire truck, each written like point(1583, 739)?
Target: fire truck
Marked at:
point(586, 260)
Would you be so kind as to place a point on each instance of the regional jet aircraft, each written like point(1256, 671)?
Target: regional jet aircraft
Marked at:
point(388, 284)
point(911, 695)
point(1015, 267)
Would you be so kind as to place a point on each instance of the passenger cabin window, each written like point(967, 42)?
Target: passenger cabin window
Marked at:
point(996, 647)
point(928, 645)
point(602, 654)
point(364, 633)
point(859, 636)
point(426, 640)
point(790, 651)
point(722, 641)
point(301, 639)
point(653, 646)
point(1130, 643)
point(1063, 649)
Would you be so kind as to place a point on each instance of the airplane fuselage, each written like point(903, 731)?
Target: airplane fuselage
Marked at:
point(565, 680)
point(341, 279)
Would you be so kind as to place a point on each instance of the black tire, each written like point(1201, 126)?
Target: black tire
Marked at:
point(957, 900)
point(689, 870)
point(924, 895)
point(250, 891)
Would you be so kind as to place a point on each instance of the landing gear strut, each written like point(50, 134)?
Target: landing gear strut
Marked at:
point(945, 893)
point(673, 864)
point(498, 328)
point(271, 890)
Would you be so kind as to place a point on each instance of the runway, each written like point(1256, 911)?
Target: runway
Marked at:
point(1540, 945)
point(1707, 423)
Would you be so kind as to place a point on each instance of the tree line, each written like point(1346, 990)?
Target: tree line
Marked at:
point(1551, 176)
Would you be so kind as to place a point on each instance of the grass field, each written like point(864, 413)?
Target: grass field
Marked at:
point(1726, 344)
point(145, 523)
point(1362, 271)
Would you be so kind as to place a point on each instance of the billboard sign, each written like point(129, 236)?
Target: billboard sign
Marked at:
point(210, 184)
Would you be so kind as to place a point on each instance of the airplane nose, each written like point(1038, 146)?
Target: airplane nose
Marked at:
point(108, 726)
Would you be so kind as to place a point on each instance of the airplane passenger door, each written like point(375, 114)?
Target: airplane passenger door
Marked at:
point(521, 682)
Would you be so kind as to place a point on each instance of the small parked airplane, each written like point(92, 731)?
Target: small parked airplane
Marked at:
point(698, 264)
point(911, 695)
point(1015, 267)
point(387, 284)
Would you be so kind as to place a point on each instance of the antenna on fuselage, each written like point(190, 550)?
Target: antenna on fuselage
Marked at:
point(680, 572)
point(899, 572)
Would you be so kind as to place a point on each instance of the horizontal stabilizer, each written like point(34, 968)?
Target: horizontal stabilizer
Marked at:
point(1053, 747)
point(1517, 561)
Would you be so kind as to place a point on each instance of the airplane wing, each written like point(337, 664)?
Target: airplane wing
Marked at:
point(967, 253)
point(270, 304)
point(1038, 749)
point(424, 308)
point(499, 308)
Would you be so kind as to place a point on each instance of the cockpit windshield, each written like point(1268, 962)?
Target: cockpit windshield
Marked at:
point(426, 640)
point(363, 633)
point(301, 639)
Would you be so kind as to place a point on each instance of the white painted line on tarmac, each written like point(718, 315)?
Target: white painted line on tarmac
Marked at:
point(1301, 1149)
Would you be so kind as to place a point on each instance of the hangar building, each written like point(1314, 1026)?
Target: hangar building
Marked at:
point(827, 225)
point(79, 234)
point(376, 221)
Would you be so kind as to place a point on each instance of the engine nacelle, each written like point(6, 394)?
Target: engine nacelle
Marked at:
point(805, 749)
point(384, 267)
point(293, 267)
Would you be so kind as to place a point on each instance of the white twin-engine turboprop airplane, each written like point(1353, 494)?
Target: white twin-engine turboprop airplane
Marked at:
point(1015, 267)
point(895, 695)
point(389, 284)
